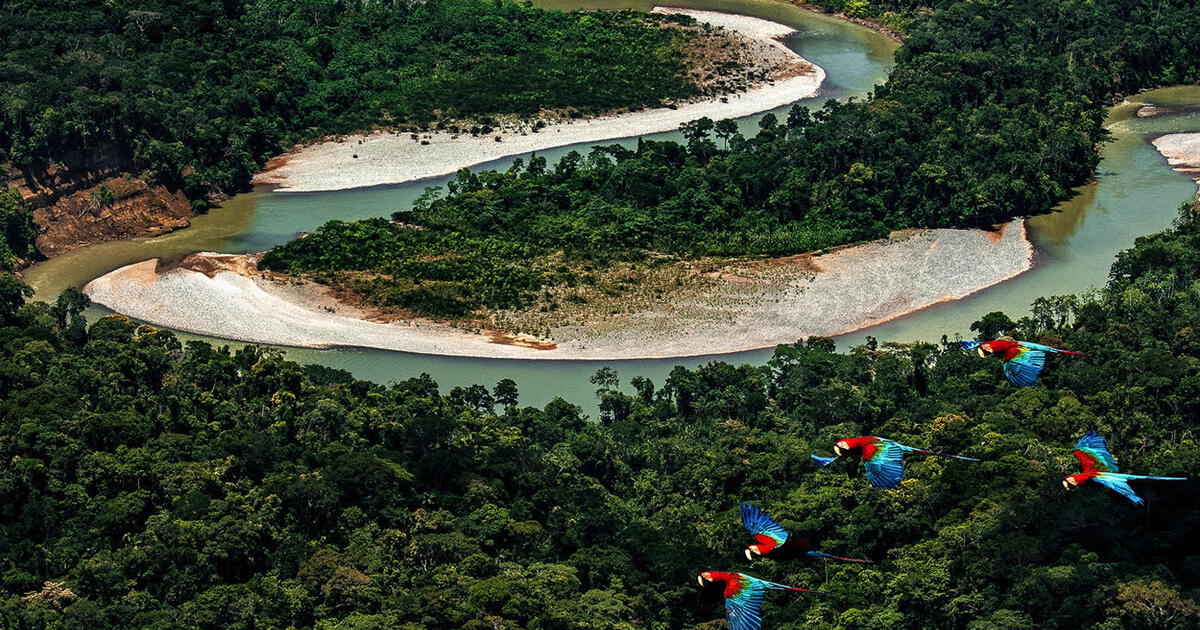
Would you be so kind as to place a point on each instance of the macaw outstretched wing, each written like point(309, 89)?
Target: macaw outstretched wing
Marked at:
point(759, 524)
point(1024, 368)
point(744, 607)
point(1092, 452)
point(885, 466)
point(1120, 483)
point(823, 461)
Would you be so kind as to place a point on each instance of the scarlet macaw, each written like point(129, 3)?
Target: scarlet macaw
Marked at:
point(744, 596)
point(1023, 360)
point(774, 542)
point(1100, 466)
point(882, 458)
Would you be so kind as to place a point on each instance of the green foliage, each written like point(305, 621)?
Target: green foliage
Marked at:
point(149, 483)
point(17, 231)
point(200, 93)
point(994, 110)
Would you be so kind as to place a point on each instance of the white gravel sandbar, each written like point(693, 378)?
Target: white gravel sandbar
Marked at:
point(851, 288)
point(390, 158)
point(1182, 151)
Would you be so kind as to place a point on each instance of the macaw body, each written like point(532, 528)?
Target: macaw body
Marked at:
point(744, 596)
point(882, 458)
point(1100, 466)
point(1023, 360)
point(775, 542)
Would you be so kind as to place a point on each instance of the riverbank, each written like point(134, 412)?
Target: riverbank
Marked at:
point(875, 25)
point(744, 305)
point(391, 158)
point(1182, 151)
point(87, 198)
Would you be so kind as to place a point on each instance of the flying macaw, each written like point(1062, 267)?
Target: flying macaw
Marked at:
point(882, 458)
point(744, 596)
point(1023, 360)
point(1100, 466)
point(775, 543)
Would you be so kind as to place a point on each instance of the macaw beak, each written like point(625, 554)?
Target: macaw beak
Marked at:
point(749, 554)
point(837, 450)
point(981, 352)
point(1066, 484)
point(700, 579)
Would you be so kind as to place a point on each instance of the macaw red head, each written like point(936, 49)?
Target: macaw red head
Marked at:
point(841, 448)
point(1071, 481)
point(704, 577)
point(985, 349)
point(753, 550)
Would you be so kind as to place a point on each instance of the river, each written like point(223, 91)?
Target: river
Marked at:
point(1135, 193)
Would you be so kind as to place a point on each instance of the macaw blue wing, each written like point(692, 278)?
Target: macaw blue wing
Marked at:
point(1094, 445)
point(885, 467)
point(1023, 370)
point(823, 461)
point(744, 608)
point(1120, 483)
point(758, 523)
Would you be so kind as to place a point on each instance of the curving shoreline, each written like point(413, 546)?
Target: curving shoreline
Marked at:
point(787, 299)
point(388, 158)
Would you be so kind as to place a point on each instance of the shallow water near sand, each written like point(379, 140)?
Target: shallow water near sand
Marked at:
point(1135, 194)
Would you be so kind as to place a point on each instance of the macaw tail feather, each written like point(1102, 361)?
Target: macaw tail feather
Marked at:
point(1158, 478)
point(1038, 346)
point(923, 452)
point(818, 554)
point(775, 586)
point(803, 590)
point(823, 461)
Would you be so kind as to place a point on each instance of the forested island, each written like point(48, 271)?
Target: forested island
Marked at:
point(994, 110)
point(154, 484)
point(191, 98)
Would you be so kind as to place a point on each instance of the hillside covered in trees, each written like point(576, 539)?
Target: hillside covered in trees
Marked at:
point(994, 110)
point(198, 94)
point(153, 484)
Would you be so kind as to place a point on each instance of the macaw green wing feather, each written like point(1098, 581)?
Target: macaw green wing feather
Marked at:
point(758, 523)
point(1023, 369)
point(1038, 346)
point(744, 608)
point(1093, 447)
point(885, 467)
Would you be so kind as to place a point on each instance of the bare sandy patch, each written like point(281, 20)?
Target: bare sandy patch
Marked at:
point(1182, 151)
point(744, 305)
